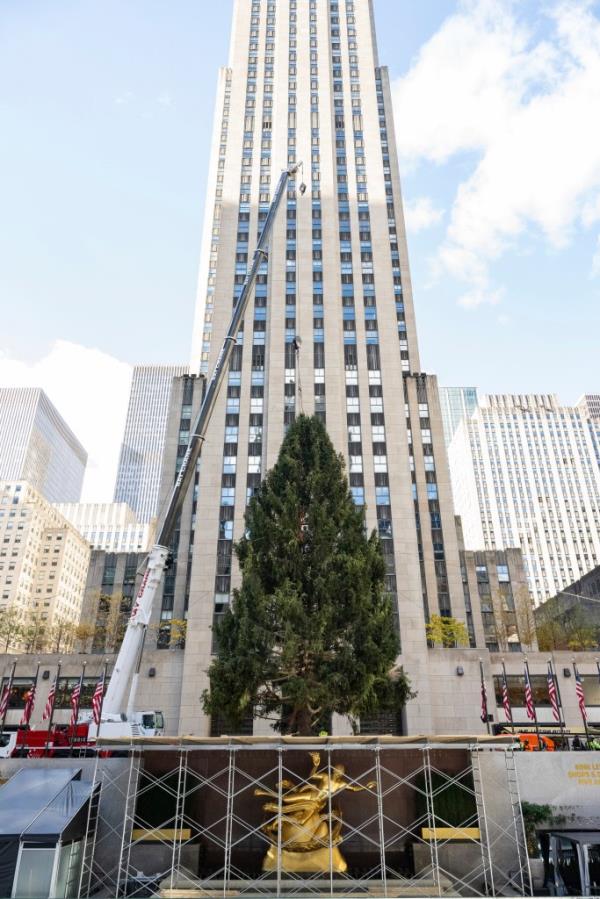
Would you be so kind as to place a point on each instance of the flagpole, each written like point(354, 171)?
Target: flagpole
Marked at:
point(535, 718)
point(584, 716)
point(32, 692)
point(104, 673)
point(75, 711)
point(560, 705)
point(484, 698)
point(8, 689)
point(51, 718)
point(505, 687)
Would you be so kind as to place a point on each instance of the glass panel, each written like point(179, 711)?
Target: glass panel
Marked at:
point(34, 873)
point(69, 869)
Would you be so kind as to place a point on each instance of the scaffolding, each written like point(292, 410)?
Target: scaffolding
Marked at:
point(432, 817)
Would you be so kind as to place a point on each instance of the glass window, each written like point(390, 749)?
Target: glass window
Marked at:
point(503, 575)
point(358, 495)
point(482, 574)
point(34, 874)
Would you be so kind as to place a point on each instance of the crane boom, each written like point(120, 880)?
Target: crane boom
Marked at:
point(129, 657)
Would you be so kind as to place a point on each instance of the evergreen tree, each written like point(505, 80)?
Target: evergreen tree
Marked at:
point(311, 630)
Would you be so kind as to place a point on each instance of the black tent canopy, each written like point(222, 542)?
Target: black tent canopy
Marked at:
point(40, 807)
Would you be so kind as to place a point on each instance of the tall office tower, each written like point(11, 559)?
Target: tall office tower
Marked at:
point(524, 474)
point(304, 84)
point(38, 446)
point(108, 526)
point(140, 462)
point(456, 403)
point(43, 562)
point(589, 405)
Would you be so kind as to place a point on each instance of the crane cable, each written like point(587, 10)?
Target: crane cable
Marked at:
point(297, 338)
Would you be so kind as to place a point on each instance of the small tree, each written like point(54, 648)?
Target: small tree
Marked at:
point(11, 629)
point(33, 633)
point(111, 621)
point(525, 619)
point(83, 635)
point(61, 636)
point(566, 628)
point(447, 632)
point(311, 630)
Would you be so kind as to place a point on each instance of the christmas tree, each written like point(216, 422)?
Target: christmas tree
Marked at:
point(311, 630)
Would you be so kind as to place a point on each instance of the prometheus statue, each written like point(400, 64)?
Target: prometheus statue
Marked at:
point(307, 831)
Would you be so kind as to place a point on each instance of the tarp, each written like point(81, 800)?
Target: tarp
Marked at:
point(27, 794)
point(65, 816)
point(591, 837)
point(24, 800)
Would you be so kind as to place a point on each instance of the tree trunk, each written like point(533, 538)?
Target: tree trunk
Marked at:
point(303, 723)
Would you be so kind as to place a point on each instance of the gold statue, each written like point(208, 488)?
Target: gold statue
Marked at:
point(305, 829)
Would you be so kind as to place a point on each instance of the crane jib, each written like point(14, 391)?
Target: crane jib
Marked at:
point(130, 652)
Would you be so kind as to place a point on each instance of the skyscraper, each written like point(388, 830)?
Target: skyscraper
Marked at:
point(589, 405)
point(524, 474)
point(38, 446)
point(140, 462)
point(456, 403)
point(304, 84)
point(108, 526)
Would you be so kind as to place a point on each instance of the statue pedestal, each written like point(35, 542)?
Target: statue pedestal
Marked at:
point(309, 862)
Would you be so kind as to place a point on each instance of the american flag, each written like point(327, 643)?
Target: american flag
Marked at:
point(529, 706)
point(29, 704)
point(506, 700)
point(553, 694)
point(50, 701)
point(4, 701)
point(97, 700)
point(580, 696)
point(75, 703)
point(484, 705)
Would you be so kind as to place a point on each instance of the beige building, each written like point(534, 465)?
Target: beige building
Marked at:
point(304, 84)
point(498, 601)
point(43, 561)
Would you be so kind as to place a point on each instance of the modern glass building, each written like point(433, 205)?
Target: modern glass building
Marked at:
point(140, 462)
point(456, 404)
point(38, 446)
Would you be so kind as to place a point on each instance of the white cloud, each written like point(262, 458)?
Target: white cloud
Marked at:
point(125, 98)
point(527, 108)
point(90, 389)
point(421, 213)
point(164, 99)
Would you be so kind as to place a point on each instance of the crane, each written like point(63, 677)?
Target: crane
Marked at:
point(116, 719)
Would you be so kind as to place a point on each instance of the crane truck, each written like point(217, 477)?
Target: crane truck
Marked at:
point(119, 718)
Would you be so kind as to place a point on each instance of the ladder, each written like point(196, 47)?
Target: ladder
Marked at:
point(522, 881)
point(486, 860)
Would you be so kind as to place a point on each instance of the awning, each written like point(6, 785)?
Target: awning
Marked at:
point(590, 837)
point(40, 805)
point(28, 794)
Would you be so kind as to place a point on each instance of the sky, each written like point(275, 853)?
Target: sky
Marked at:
point(105, 121)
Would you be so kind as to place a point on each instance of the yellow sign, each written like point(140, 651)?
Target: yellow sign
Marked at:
point(587, 774)
point(450, 833)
